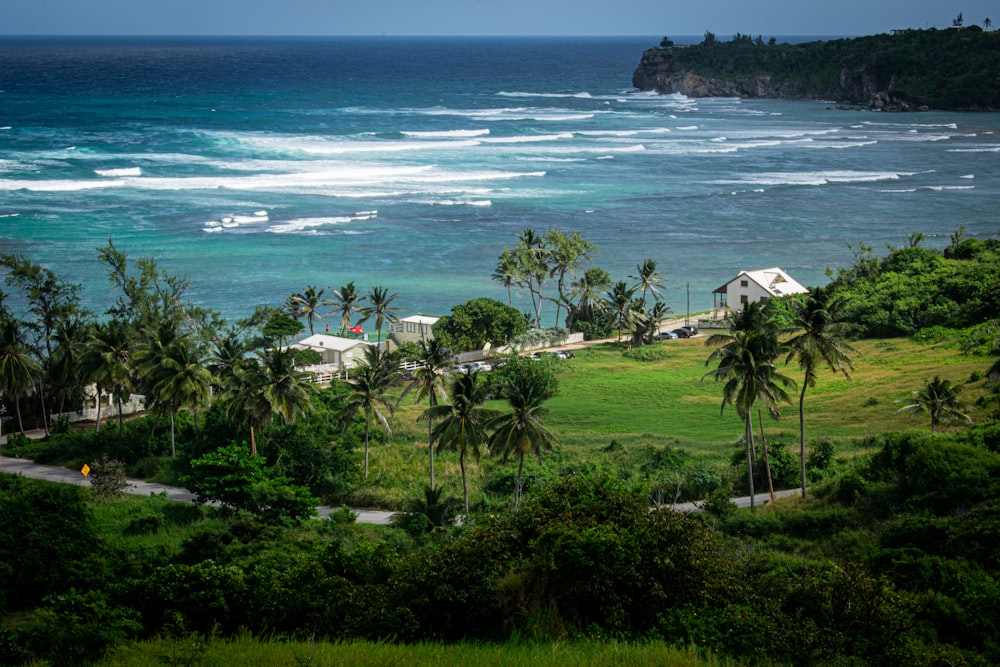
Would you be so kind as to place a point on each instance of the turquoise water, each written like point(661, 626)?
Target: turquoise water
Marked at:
point(257, 167)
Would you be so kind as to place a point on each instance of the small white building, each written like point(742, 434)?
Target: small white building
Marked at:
point(339, 354)
point(758, 285)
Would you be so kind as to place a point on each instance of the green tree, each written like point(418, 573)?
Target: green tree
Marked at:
point(565, 254)
point(587, 291)
point(18, 368)
point(109, 358)
point(428, 383)
point(345, 303)
point(531, 256)
point(746, 356)
point(461, 424)
point(369, 383)
point(477, 322)
point(522, 430)
point(179, 380)
point(820, 341)
point(648, 279)
point(281, 327)
point(380, 306)
point(619, 302)
point(939, 400)
point(239, 481)
point(267, 385)
point(506, 272)
point(309, 301)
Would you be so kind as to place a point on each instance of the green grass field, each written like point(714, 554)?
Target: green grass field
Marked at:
point(605, 397)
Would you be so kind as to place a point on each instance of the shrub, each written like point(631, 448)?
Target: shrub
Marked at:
point(107, 478)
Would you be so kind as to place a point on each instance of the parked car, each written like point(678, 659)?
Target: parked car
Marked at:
point(564, 354)
point(682, 333)
point(665, 335)
point(480, 366)
point(690, 328)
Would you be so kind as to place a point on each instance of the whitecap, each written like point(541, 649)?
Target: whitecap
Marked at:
point(124, 171)
point(970, 176)
point(440, 134)
point(260, 214)
point(688, 127)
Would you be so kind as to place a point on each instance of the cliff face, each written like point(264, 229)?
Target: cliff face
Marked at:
point(659, 70)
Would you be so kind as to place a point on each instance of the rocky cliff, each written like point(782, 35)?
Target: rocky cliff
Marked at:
point(659, 70)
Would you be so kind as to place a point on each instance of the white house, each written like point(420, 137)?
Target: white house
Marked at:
point(339, 354)
point(758, 285)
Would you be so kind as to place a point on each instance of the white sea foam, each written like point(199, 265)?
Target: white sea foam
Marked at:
point(9, 215)
point(122, 172)
point(581, 95)
point(812, 178)
point(6, 127)
point(528, 139)
point(984, 149)
point(687, 128)
point(440, 134)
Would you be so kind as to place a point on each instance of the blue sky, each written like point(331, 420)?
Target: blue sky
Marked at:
point(481, 17)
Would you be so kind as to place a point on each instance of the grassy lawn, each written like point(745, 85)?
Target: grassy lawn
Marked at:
point(604, 397)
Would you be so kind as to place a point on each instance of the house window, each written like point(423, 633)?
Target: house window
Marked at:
point(744, 283)
point(423, 329)
point(410, 327)
point(743, 299)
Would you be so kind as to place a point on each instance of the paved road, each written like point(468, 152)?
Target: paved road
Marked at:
point(139, 487)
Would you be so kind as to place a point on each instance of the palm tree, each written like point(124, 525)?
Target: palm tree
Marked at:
point(820, 342)
point(428, 382)
point(372, 378)
point(380, 301)
point(588, 290)
point(649, 279)
point(505, 272)
point(939, 399)
point(308, 302)
point(181, 381)
point(345, 302)
point(70, 337)
point(619, 302)
point(531, 257)
point(229, 353)
point(265, 386)
point(462, 422)
point(746, 357)
point(522, 431)
point(110, 360)
point(18, 368)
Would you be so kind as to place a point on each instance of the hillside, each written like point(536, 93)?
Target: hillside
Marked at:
point(913, 70)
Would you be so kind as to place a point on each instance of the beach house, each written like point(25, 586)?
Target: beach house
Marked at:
point(413, 329)
point(756, 285)
point(339, 355)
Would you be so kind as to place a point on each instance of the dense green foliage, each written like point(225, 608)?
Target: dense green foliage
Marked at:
point(479, 322)
point(914, 288)
point(943, 69)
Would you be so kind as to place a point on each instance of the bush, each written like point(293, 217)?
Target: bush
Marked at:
point(107, 478)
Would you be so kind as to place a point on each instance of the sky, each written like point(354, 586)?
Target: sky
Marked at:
point(483, 17)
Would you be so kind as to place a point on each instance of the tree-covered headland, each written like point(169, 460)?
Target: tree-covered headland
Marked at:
point(953, 68)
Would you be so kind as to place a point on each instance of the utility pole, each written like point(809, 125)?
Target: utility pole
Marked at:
point(687, 315)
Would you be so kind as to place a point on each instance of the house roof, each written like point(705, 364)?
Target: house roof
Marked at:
point(328, 342)
point(774, 281)
point(420, 319)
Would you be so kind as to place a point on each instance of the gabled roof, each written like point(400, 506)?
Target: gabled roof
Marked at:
point(328, 342)
point(774, 281)
point(420, 319)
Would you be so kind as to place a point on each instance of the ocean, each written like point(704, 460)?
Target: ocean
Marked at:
point(257, 167)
